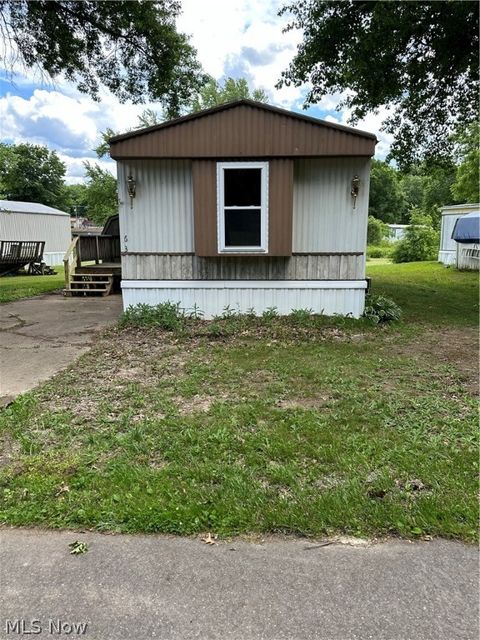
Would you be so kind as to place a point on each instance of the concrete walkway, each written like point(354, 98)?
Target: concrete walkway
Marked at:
point(42, 335)
point(136, 587)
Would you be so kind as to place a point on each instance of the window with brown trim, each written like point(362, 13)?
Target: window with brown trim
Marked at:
point(242, 207)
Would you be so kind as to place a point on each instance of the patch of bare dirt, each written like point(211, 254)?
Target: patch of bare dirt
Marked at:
point(9, 450)
point(197, 403)
point(304, 403)
point(458, 347)
point(328, 481)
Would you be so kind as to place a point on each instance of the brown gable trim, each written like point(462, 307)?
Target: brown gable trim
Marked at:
point(234, 104)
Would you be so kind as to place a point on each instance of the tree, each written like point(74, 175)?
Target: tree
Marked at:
point(438, 180)
point(101, 194)
point(147, 118)
point(132, 48)
point(386, 198)
point(426, 187)
point(376, 231)
point(212, 93)
point(420, 59)
point(412, 185)
point(420, 241)
point(465, 188)
point(32, 173)
point(76, 199)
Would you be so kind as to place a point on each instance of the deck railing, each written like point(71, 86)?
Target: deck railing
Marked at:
point(96, 249)
point(70, 261)
point(14, 251)
point(15, 254)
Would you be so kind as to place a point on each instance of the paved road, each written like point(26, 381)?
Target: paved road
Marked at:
point(42, 335)
point(136, 587)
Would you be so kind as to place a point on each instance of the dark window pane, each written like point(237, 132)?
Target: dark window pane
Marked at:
point(243, 187)
point(242, 228)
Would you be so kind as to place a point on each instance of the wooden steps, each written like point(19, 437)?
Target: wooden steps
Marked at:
point(89, 284)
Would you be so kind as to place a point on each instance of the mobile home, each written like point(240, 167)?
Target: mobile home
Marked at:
point(245, 206)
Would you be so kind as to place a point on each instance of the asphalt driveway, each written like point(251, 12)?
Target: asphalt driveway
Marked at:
point(42, 335)
point(138, 587)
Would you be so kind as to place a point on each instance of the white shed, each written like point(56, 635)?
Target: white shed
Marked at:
point(448, 247)
point(31, 221)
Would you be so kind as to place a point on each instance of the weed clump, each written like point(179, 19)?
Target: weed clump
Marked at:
point(381, 309)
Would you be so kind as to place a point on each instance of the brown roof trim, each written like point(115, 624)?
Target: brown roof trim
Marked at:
point(237, 103)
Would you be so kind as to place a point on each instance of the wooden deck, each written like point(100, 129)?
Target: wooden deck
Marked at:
point(104, 267)
point(15, 254)
point(92, 266)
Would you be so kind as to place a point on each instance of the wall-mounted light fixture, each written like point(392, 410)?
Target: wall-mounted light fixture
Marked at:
point(131, 189)
point(355, 189)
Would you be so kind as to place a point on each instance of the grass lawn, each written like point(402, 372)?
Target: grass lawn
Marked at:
point(15, 287)
point(428, 292)
point(310, 426)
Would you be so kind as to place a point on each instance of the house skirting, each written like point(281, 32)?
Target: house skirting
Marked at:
point(211, 297)
point(447, 256)
point(53, 258)
point(468, 256)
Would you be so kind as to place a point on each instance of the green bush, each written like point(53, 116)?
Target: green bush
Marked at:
point(380, 251)
point(375, 252)
point(420, 241)
point(376, 231)
point(166, 315)
point(381, 309)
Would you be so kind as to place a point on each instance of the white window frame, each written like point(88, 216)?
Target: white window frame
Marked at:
point(263, 247)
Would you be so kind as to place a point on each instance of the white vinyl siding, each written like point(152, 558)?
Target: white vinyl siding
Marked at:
point(52, 229)
point(161, 219)
point(210, 298)
point(324, 219)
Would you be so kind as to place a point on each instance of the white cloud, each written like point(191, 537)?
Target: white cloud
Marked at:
point(76, 170)
point(228, 34)
point(70, 124)
point(371, 123)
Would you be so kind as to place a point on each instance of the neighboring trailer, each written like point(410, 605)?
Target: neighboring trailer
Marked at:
point(247, 207)
point(466, 234)
point(33, 222)
point(448, 247)
point(397, 231)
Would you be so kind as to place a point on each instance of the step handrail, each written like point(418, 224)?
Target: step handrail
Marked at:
point(70, 258)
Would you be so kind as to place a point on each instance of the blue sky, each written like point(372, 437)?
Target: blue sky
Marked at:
point(238, 38)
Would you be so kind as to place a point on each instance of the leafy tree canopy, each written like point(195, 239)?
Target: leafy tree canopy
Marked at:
point(132, 48)
point(32, 173)
point(425, 188)
point(437, 188)
point(76, 199)
point(213, 93)
point(418, 58)
point(465, 188)
point(101, 193)
point(387, 202)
